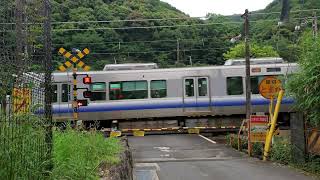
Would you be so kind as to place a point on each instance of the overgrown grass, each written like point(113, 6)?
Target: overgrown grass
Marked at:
point(23, 150)
point(281, 152)
point(257, 148)
point(77, 155)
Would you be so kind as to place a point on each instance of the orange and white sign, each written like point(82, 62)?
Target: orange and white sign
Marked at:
point(270, 87)
point(258, 128)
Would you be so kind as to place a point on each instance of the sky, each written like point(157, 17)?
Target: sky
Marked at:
point(200, 8)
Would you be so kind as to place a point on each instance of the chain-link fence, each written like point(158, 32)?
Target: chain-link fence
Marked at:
point(25, 89)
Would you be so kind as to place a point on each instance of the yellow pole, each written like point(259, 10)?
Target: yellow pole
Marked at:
point(267, 145)
point(271, 108)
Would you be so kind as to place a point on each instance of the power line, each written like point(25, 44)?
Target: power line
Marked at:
point(165, 19)
point(146, 52)
point(164, 26)
point(153, 19)
point(142, 27)
point(200, 39)
point(129, 20)
point(159, 51)
point(156, 27)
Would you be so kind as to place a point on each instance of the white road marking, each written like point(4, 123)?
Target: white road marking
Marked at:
point(213, 142)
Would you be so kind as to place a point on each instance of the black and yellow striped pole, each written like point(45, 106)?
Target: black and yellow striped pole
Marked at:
point(75, 58)
point(75, 93)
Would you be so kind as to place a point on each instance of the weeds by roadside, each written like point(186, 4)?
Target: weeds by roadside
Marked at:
point(78, 155)
point(23, 150)
point(281, 152)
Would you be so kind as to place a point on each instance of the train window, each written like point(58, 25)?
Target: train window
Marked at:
point(65, 92)
point(55, 93)
point(158, 88)
point(273, 69)
point(189, 87)
point(99, 86)
point(98, 90)
point(234, 85)
point(128, 90)
point(203, 86)
point(255, 81)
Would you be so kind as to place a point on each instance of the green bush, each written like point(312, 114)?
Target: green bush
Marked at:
point(281, 150)
point(232, 139)
point(304, 85)
point(312, 165)
point(78, 155)
point(257, 149)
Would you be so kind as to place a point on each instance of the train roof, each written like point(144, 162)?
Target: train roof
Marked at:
point(262, 60)
point(223, 67)
point(130, 66)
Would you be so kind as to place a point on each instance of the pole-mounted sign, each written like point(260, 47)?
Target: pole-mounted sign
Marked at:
point(269, 87)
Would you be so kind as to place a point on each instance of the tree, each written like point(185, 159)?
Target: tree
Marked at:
point(305, 85)
point(256, 51)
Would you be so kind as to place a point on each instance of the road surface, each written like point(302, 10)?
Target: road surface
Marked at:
point(194, 157)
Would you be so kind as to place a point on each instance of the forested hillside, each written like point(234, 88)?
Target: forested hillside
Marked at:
point(124, 41)
point(153, 31)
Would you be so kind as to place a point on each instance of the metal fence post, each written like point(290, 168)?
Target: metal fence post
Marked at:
point(48, 70)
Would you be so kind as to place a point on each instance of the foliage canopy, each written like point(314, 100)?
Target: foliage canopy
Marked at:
point(256, 51)
point(305, 85)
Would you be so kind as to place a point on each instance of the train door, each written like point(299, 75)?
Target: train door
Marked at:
point(65, 106)
point(196, 95)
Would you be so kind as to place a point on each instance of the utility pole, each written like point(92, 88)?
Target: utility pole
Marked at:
point(115, 60)
point(48, 83)
point(190, 60)
point(178, 53)
point(20, 36)
point(284, 16)
point(315, 25)
point(248, 79)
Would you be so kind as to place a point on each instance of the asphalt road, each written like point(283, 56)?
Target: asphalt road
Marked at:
point(191, 157)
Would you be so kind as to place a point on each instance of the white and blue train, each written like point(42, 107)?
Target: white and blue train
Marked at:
point(131, 92)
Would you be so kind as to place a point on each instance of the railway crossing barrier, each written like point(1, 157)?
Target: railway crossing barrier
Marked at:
point(138, 133)
point(193, 131)
point(184, 130)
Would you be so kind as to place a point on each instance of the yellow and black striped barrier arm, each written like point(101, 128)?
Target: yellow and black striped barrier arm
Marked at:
point(74, 59)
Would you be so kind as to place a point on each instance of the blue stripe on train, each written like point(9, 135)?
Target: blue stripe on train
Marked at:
point(165, 105)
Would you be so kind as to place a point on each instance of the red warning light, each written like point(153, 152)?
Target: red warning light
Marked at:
point(87, 94)
point(87, 80)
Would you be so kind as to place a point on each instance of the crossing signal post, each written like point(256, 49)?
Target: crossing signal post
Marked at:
point(75, 62)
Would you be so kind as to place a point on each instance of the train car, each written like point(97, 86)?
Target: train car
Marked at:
point(178, 95)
